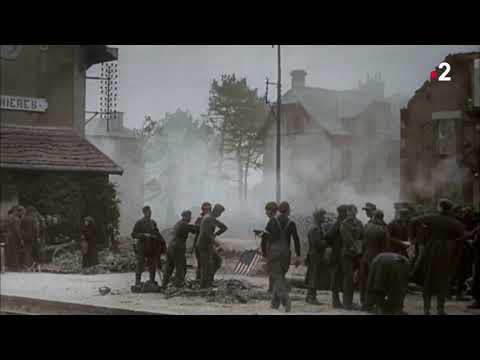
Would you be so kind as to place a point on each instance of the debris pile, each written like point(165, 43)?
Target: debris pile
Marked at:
point(229, 291)
point(71, 263)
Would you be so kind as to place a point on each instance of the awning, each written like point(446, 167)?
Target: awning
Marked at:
point(51, 149)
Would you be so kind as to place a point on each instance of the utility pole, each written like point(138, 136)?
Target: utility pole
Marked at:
point(279, 103)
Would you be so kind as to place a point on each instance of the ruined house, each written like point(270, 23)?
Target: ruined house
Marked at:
point(332, 137)
point(42, 114)
point(440, 136)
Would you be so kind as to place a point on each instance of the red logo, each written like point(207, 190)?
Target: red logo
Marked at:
point(433, 75)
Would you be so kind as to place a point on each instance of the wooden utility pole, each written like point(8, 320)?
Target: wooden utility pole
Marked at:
point(279, 104)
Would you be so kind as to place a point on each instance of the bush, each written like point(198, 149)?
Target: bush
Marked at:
point(73, 197)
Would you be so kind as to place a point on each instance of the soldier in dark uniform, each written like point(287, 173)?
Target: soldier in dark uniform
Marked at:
point(89, 233)
point(316, 252)
point(398, 230)
point(14, 237)
point(464, 255)
point(375, 242)
point(476, 275)
point(176, 259)
point(279, 254)
point(387, 283)
point(334, 240)
point(206, 245)
point(206, 208)
point(436, 260)
point(271, 209)
point(30, 234)
point(351, 230)
point(369, 209)
point(149, 244)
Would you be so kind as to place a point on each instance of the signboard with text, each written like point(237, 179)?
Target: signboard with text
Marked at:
point(20, 103)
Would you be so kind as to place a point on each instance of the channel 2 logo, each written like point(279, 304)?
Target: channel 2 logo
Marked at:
point(441, 75)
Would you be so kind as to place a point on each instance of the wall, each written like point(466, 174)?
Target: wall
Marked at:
point(54, 72)
point(425, 174)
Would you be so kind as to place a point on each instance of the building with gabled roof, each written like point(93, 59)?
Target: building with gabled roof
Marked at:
point(332, 137)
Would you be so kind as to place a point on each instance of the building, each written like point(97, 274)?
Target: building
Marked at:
point(334, 138)
point(440, 136)
point(42, 114)
point(126, 150)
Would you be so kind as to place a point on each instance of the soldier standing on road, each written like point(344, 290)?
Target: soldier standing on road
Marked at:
point(271, 209)
point(149, 244)
point(351, 230)
point(206, 245)
point(14, 237)
point(30, 234)
point(316, 252)
point(176, 259)
point(334, 240)
point(279, 254)
point(206, 208)
point(89, 234)
point(436, 260)
point(375, 242)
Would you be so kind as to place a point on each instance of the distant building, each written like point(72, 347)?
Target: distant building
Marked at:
point(126, 149)
point(42, 114)
point(440, 136)
point(333, 137)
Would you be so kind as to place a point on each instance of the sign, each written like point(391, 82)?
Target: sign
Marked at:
point(19, 103)
point(10, 52)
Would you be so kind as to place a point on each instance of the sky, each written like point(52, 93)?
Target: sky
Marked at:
point(156, 79)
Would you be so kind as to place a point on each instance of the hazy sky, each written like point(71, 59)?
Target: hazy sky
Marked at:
point(155, 79)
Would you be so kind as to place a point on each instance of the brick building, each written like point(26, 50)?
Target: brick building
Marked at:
point(440, 136)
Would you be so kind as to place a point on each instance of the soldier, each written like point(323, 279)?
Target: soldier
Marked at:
point(351, 230)
point(206, 208)
point(476, 275)
point(279, 254)
point(271, 209)
point(398, 230)
point(334, 240)
point(14, 237)
point(387, 283)
point(435, 260)
point(375, 242)
point(316, 251)
point(206, 245)
point(464, 255)
point(148, 245)
point(369, 210)
point(30, 234)
point(89, 234)
point(176, 250)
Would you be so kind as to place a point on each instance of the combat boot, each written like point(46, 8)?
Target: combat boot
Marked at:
point(288, 304)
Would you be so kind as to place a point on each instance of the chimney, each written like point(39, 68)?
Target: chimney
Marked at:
point(298, 79)
point(116, 121)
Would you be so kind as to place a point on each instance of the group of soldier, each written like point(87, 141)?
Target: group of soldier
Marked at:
point(150, 245)
point(26, 234)
point(428, 250)
point(23, 231)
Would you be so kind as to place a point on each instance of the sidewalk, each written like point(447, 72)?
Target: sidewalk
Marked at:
point(83, 289)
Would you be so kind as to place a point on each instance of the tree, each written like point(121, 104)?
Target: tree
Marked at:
point(232, 110)
point(175, 149)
